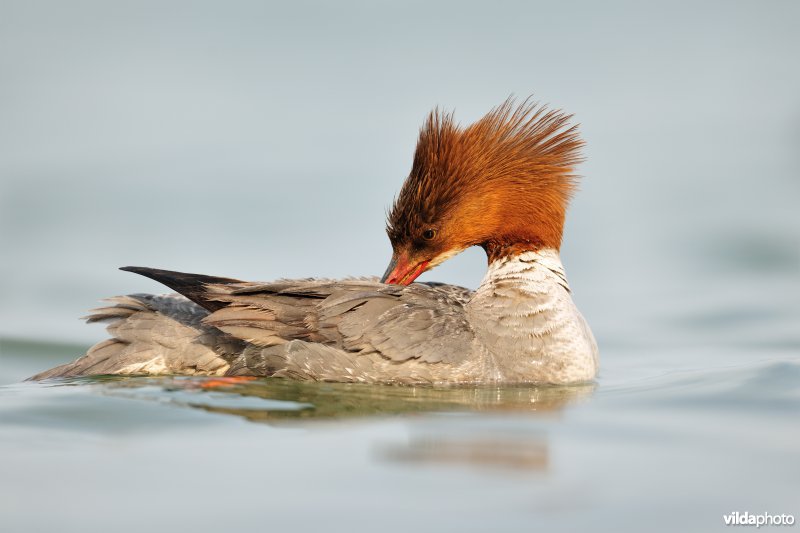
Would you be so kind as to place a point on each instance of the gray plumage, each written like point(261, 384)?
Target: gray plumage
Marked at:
point(519, 326)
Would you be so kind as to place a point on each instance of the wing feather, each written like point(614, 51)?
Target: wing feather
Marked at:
point(424, 322)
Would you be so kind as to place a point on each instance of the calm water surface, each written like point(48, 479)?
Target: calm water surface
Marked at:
point(666, 449)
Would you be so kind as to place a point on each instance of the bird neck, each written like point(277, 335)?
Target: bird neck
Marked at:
point(525, 269)
point(524, 317)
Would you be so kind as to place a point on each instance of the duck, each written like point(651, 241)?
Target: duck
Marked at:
point(502, 183)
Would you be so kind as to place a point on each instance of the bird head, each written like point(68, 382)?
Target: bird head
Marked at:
point(502, 183)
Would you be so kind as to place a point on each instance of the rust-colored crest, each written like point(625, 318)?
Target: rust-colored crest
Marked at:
point(503, 182)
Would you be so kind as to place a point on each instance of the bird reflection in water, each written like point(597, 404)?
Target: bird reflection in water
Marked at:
point(434, 439)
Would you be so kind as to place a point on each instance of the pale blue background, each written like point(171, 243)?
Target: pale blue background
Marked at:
point(260, 140)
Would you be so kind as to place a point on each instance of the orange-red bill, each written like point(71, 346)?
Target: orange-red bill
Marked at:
point(402, 272)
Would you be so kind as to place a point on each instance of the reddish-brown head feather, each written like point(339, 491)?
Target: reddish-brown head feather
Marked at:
point(503, 183)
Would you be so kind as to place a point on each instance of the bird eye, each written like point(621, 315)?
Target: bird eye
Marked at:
point(428, 234)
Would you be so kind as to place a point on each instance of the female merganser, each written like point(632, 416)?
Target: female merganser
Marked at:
point(502, 183)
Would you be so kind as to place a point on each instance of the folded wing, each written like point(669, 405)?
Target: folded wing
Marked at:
point(343, 330)
point(422, 322)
